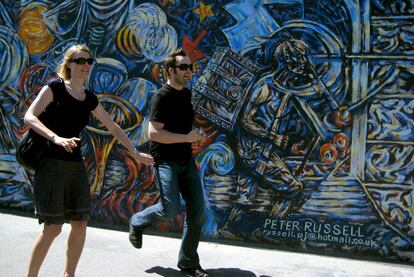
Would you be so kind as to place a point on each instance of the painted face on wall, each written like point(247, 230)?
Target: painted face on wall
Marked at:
point(295, 62)
point(292, 53)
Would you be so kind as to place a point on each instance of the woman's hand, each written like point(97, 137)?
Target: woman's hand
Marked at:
point(68, 143)
point(143, 158)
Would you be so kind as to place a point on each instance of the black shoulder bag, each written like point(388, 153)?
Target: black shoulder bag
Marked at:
point(30, 149)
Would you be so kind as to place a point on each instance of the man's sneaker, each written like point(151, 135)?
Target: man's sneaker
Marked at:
point(135, 237)
point(195, 272)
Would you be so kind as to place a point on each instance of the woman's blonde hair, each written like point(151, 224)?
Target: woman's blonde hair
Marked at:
point(63, 70)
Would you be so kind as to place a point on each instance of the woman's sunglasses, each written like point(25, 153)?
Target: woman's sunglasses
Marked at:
point(83, 61)
point(184, 67)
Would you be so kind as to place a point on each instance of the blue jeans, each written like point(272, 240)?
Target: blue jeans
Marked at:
point(174, 179)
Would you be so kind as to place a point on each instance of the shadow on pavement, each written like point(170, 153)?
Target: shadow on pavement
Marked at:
point(230, 272)
point(219, 272)
point(162, 271)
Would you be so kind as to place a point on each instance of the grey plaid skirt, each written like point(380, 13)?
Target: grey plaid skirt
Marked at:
point(61, 191)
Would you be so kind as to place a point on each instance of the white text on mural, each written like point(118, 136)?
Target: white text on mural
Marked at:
point(307, 230)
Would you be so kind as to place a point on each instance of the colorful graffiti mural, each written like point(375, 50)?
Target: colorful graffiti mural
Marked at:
point(308, 107)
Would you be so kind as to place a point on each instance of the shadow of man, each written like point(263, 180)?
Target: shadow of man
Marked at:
point(218, 272)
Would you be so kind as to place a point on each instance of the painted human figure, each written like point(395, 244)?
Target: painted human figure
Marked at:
point(280, 119)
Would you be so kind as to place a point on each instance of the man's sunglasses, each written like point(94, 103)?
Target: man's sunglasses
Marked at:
point(184, 67)
point(83, 61)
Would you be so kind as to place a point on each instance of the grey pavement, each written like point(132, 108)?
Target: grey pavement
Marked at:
point(108, 253)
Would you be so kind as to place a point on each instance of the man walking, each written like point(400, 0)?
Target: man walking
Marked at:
point(171, 133)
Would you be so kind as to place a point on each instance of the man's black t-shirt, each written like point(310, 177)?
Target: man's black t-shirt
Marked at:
point(172, 108)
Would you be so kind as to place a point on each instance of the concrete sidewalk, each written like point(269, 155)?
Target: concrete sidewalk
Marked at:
point(108, 253)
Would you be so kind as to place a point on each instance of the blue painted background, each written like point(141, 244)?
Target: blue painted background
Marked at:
point(308, 108)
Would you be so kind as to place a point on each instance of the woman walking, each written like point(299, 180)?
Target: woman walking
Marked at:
point(61, 190)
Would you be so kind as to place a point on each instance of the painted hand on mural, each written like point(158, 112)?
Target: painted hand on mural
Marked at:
point(279, 140)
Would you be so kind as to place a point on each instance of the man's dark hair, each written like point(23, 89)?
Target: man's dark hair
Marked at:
point(171, 60)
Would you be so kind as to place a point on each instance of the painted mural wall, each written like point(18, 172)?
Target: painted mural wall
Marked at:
point(308, 107)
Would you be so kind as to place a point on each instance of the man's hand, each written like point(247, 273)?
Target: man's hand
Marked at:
point(203, 136)
point(196, 136)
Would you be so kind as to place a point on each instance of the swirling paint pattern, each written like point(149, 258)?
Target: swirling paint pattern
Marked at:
point(390, 36)
point(13, 56)
point(391, 120)
point(216, 161)
point(390, 164)
point(32, 29)
point(156, 37)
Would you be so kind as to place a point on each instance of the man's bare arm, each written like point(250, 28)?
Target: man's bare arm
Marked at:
point(157, 133)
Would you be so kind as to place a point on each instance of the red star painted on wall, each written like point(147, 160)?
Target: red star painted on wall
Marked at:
point(190, 47)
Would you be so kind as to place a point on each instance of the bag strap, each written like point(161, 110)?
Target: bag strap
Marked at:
point(56, 85)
